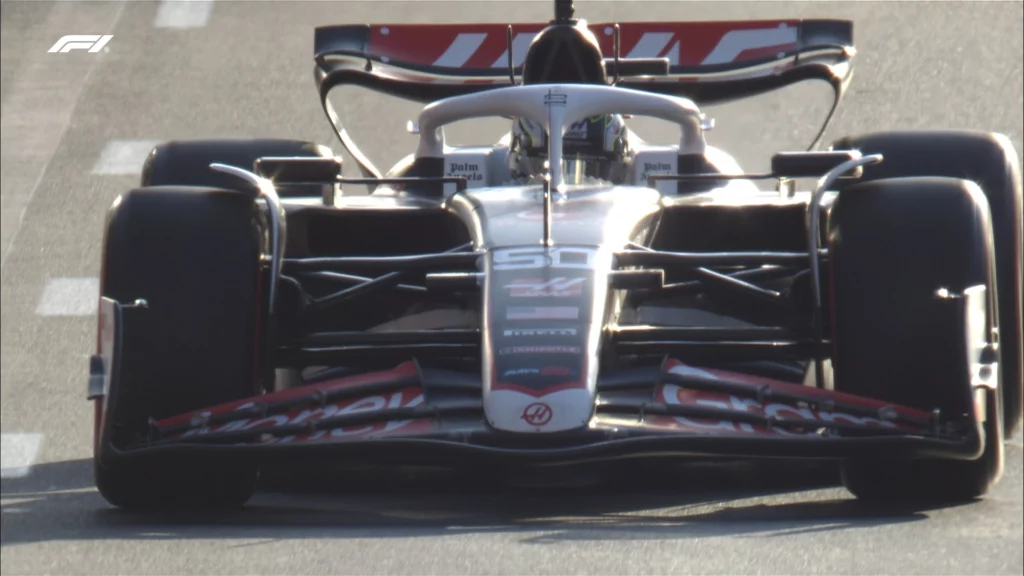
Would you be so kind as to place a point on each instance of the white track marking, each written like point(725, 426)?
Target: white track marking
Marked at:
point(183, 14)
point(69, 297)
point(123, 157)
point(17, 454)
point(37, 114)
point(461, 50)
point(734, 43)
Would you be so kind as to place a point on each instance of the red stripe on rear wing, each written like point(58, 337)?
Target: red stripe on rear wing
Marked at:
point(484, 46)
point(719, 60)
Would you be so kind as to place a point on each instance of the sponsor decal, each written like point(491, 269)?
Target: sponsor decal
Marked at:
point(545, 371)
point(542, 313)
point(541, 332)
point(576, 131)
point(407, 398)
point(556, 371)
point(539, 287)
point(463, 167)
point(649, 168)
point(537, 414)
point(533, 258)
point(682, 43)
point(471, 171)
point(521, 372)
point(540, 350)
point(672, 394)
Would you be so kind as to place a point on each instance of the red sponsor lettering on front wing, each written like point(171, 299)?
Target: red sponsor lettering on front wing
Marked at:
point(408, 398)
point(677, 395)
point(406, 370)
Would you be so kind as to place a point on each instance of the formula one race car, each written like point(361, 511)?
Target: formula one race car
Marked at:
point(571, 293)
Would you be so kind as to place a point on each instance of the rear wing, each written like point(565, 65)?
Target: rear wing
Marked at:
point(707, 62)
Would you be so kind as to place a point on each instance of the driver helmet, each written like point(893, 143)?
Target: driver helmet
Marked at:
point(595, 148)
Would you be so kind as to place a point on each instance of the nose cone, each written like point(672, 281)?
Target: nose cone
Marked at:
point(544, 307)
point(514, 411)
point(544, 312)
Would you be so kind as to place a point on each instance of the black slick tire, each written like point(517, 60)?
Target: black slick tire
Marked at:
point(194, 255)
point(187, 162)
point(989, 160)
point(893, 244)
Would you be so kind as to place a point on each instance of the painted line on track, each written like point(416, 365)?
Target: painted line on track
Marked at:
point(183, 14)
point(121, 157)
point(69, 297)
point(37, 114)
point(18, 453)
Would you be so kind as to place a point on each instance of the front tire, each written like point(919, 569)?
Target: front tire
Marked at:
point(990, 161)
point(194, 255)
point(893, 245)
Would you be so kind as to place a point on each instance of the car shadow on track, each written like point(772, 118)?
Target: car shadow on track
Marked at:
point(59, 502)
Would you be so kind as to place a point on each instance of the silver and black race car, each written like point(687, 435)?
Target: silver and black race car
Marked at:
point(571, 293)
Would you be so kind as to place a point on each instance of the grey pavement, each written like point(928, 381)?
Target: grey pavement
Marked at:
point(247, 72)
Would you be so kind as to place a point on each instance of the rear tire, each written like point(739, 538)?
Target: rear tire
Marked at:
point(893, 244)
point(194, 255)
point(990, 161)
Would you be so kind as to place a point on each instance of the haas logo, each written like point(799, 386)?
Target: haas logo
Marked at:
point(537, 414)
point(555, 287)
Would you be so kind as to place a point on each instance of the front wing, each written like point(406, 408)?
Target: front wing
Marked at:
point(412, 415)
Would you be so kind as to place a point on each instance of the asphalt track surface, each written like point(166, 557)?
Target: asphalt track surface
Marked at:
point(244, 69)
